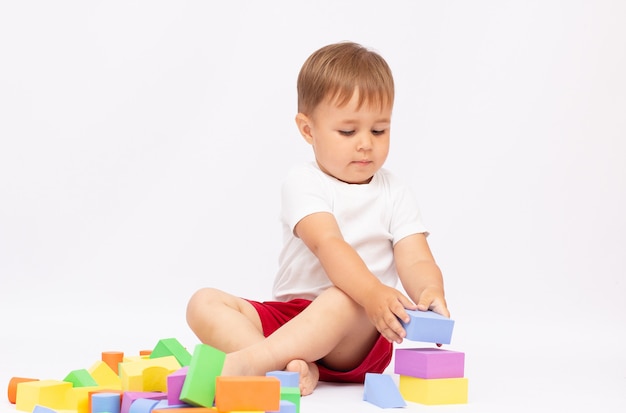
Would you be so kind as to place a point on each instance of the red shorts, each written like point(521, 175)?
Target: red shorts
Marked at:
point(274, 314)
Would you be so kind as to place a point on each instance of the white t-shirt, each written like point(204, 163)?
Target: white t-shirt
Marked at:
point(372, 218)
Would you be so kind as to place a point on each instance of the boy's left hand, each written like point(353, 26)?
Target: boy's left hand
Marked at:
point(432, 298)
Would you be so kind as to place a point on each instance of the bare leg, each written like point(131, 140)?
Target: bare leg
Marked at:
point(333, 329)
point(223, 321)
point(238, 326)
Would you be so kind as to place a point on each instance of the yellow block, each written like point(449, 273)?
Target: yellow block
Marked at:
point(434, 391)
point(47, 393)
point(132, 373)
point(105, 376)
point(78, 397)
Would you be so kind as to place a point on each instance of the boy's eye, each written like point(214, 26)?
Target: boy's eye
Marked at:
point(346, 132)
point(378, 132)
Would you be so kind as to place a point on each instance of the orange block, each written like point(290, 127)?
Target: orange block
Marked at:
point(247, 393)
point(113, 358)
point(12, 389)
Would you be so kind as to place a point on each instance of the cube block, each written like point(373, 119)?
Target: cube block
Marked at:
point(434, 391)
point(147, 374)
point(291, 394)
point(429, 363)
point(428, 326)
point(287, 378)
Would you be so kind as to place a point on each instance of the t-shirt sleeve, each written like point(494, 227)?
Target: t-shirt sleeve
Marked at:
point(303, 193)
point(406, 218)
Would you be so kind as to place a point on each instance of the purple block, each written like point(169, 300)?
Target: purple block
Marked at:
point(175, 383)
point(429, 363)
point(163, 404)
point(130, 396)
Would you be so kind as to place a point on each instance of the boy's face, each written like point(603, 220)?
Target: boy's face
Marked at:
point(350, 144)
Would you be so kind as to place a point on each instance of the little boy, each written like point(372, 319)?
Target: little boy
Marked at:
point(351, 230)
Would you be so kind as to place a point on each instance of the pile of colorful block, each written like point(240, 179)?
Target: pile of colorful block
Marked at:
point(167, 379)
point(430, 376)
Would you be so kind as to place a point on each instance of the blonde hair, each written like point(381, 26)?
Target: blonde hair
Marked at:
point(336, 71)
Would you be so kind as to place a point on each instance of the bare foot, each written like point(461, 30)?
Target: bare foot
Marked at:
point(309, 375)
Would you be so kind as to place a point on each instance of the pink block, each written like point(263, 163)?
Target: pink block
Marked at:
point(175, 383)
point(130, 396)
point(429, 363)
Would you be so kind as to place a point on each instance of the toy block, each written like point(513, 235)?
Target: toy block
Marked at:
point(78, 397)
point(428, 326)
point(434, 391)
point(205, 366)
point(133, 378)
point(291, 394)
point(286, 407)
point(80, 378)
point(188, 410)
point(43, 409)
point(145, 352)
point(429, 363)
point(130, 396)
point(175, 383)
point(381, 390)
point(164, 404)
point(287, 378)
point(12, 388)
point(113, 359)
point(105, 403)
point(142, 406)
point(257, 393)
point(105, 376)
point(48, 393)
point(90, 395)
point(171, 347)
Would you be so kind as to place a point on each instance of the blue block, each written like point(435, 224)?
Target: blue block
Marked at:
point(287, 378)
point(43, 409)
point(286, 407)
point(105, 403)
point(142, 406)
point(429, 327)
point(381, 390)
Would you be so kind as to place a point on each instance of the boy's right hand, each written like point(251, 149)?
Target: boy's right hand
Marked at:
point(385, 306)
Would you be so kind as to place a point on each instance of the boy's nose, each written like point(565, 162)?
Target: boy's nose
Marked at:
point(365, 142)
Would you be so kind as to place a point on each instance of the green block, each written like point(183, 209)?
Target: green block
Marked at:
point(80, 378)
point(171, 347)
point(205, 365)
point(291, 394)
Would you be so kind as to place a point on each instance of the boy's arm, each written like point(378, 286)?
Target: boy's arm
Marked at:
point(419, 274)
point(347, 271)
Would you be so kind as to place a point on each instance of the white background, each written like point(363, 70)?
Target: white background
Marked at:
point(142, 147)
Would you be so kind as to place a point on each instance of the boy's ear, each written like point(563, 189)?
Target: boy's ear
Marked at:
point(304, 126)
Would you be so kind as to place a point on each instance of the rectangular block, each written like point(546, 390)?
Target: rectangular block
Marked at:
point(48, 393)
point(175, 382)
point(428, 326)
point(247, 393)
point(429, 363)
point(291, 394)
point(434, 391)
point(205, 365)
